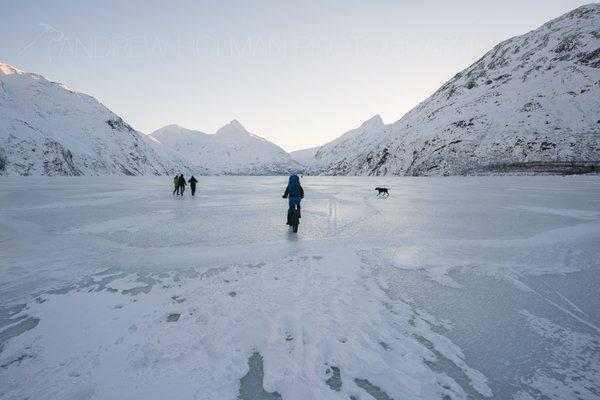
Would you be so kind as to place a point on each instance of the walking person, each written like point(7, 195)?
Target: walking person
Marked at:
point(181, 184)
point(176, 184)
point(193, 182)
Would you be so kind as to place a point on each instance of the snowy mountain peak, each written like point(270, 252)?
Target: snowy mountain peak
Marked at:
point(49, 129)
point(9, 70)
point(231, 128)
point(373, 122)
point(231, 151)
point(173, 129)
point(583, 12)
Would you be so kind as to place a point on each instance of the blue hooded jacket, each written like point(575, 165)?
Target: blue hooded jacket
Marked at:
point(294, 189)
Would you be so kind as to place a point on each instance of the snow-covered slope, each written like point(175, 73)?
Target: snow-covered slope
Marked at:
point(49, 129)
point(336, 151)
point(183, 142)
point(531, 104)
point(306, 157)
point(231, 151)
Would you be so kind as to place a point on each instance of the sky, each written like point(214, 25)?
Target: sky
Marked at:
point(298, 73)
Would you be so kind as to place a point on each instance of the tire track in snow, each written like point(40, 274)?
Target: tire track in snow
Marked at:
point(372, 211)
point(332, 215)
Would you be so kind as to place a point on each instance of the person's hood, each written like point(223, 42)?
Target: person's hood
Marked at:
point(294, 179)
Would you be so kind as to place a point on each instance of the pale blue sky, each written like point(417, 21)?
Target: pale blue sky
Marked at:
point(297, 73)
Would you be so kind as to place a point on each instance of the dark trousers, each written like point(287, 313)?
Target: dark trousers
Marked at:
point(193, 187)
point(291, 201)
point(176, 190)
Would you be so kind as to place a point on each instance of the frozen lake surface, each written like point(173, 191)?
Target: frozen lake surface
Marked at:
point(451, 288)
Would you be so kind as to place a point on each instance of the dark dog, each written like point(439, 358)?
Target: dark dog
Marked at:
point(384, 191)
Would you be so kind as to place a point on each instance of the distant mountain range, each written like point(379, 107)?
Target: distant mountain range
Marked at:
point(530, 105)
point(48, 129)
point(231, 151)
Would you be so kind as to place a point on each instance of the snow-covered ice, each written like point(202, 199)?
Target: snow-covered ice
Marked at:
point(451, 288)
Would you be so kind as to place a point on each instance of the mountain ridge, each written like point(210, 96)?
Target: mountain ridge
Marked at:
point(232, 150)
point(47, 128)
point(530, 104)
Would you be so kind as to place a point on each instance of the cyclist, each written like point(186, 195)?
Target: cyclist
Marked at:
point(294, 193)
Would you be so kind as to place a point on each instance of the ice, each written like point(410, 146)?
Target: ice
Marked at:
point(251, 383)
point(451, 288)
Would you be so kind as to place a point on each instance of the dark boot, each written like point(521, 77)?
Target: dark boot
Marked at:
point(289, 219)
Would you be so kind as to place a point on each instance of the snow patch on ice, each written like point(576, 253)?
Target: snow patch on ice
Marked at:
point(299, 313)
point(579, 374)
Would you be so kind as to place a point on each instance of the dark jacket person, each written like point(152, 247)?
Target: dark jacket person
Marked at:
point(193, 182)
point(295, 193)
point(181, 184)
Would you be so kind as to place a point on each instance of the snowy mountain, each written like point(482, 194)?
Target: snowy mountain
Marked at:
point(369, 132)
point(531, 104)
point(49, 129)
point(306, 157)
point(183, 142)
point(231, 151)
